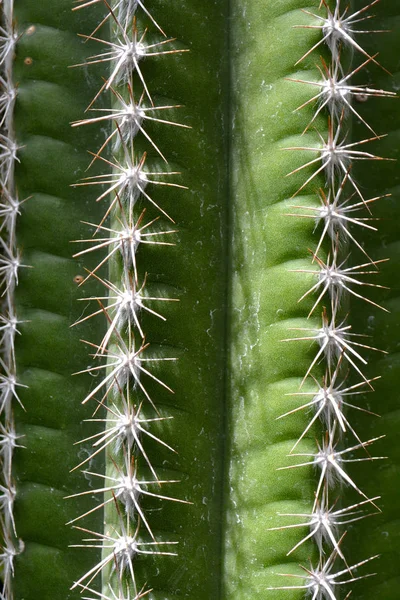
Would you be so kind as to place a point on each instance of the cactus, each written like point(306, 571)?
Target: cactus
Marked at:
point(198, 211)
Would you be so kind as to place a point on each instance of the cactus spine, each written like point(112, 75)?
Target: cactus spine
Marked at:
point(9, 269)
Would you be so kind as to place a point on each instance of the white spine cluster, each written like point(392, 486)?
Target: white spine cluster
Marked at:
point(126, 363)
point(9, 267)
point(343, 210)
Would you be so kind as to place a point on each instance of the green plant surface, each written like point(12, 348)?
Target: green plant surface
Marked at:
point(380, 534)
point(235, 268)
point(264, 302)
point(192, 271)
point(53, 158)
point(48, 351)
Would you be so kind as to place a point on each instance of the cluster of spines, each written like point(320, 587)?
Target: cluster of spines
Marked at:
point(340, 349)
point(123, 349)
point(9, 267)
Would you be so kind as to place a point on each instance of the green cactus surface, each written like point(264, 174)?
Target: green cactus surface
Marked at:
point(198, 355)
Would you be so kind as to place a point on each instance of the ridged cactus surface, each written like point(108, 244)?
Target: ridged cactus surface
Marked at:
point(199, 249)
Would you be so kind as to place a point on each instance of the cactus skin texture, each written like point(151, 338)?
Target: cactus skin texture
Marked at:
point(48, 351)
point(238, 265)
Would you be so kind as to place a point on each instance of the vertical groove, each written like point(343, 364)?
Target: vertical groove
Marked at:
point(228, 304)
